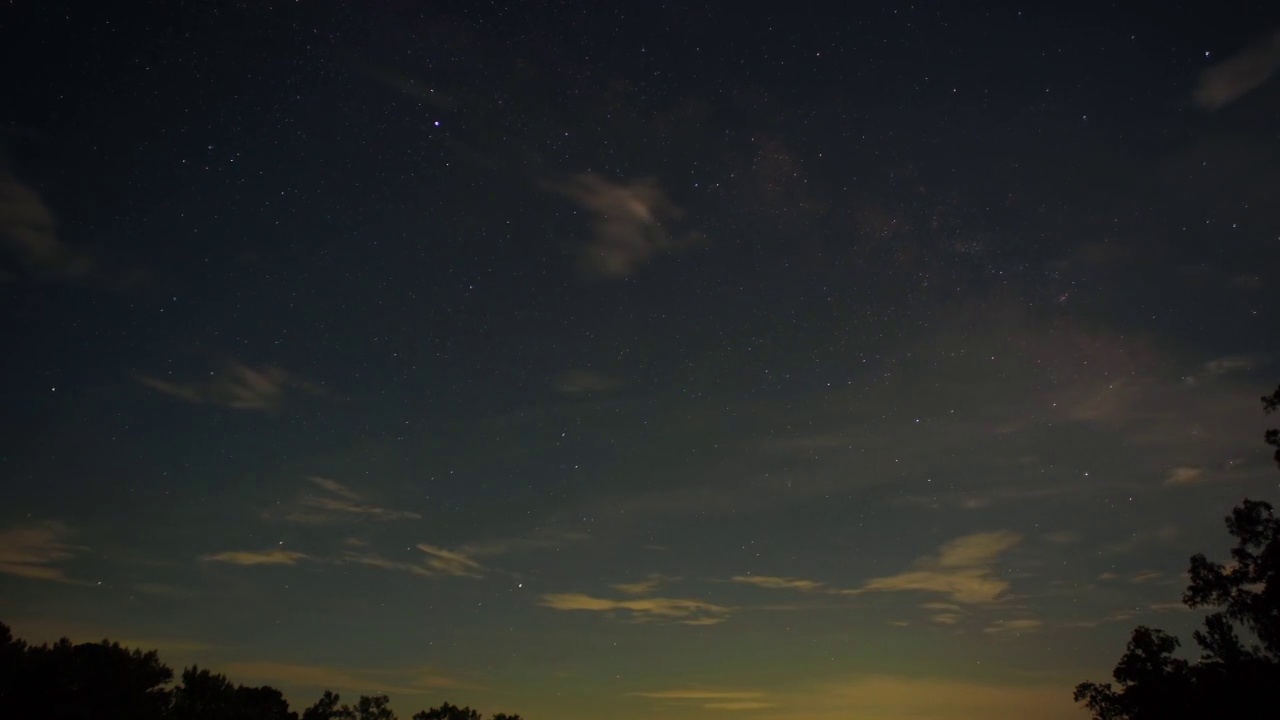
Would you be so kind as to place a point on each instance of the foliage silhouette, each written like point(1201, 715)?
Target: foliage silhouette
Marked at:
point(1270, 404)
point(1231, 679)
point(207, 696)
point(89, 680)
point(326, 708)
point(448, 712)
point(374, 708)
point(104, 681)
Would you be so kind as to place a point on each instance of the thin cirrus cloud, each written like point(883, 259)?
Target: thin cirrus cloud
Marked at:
point(779, 583)
point(32, 248)
point(642, 587)
point(1013, 627)
point(450, 562)
point(238, 387)
point(1184, 476)
point(962, 570)
point(371, 559)
point(630, 223)
point(270, 556)
point(437, 562)
point(29, 234)
point(944, 613)
point(1233, 78)
point(36, 551)
point(337, 503)
point(1225, 365)
point(510, 545)
point(679, 611)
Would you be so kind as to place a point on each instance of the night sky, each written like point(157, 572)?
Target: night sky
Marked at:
point(615, 359)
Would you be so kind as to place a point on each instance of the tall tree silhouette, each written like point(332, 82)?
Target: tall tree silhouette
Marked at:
point(208, 696)
point(327, 708)
point(12, 652)
point(1271, 403)
point(376, 707)
point(1231, 678)
point(88, 680)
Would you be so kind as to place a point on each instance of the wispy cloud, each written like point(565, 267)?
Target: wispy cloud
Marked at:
point(977, 549)
point(779, 583)
point(631, 222)
point(450, 562)
point(372, 559)
point(1063, 537)
point(438, 561)
point(675, 610)
point(29, 233)
point(529, 543)
point(1165, 534)
point(339, 503)
point(1184, 476)
point(1128, 614)
point(1231, 363)
point(238, 386)
point(334, 487)
point(962, 570)
point(1225, 365)
point(642, 587)
point(1013, 627)
point(1232, 78)
point(270, 556)
point(35, 551)
point(404, 82)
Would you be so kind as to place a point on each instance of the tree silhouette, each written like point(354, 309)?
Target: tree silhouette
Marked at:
point(202, 695)
point(1231, 679)
point(447, 712)
point(12, 652)
point(376, 707)
point(208, 696)
point(1271, 403)
point(261, 703)
point(89, 680)
point(104, 681)
point(327, 708)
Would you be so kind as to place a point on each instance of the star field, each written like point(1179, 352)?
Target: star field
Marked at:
point(615, 359)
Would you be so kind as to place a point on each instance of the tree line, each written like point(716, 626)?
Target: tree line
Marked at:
point(1234, 676)
point(105, 681)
